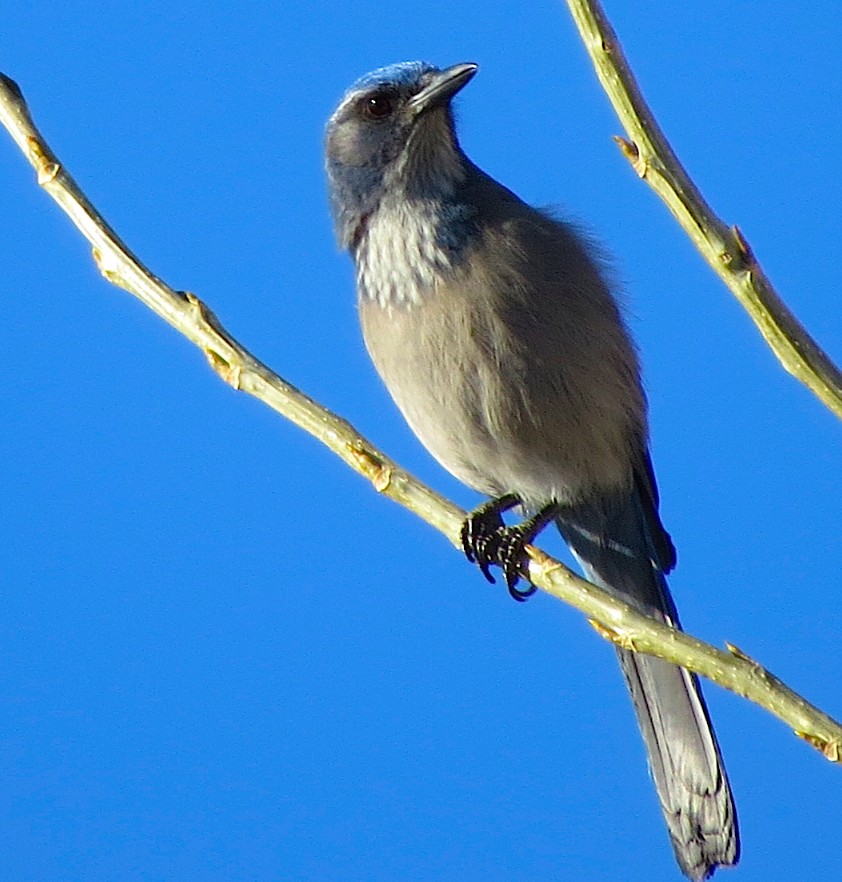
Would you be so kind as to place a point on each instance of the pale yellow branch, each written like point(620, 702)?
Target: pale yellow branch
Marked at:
point(723, 247)
point(186, 313)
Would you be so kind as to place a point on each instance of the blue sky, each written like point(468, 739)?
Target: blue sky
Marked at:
point(223, 656)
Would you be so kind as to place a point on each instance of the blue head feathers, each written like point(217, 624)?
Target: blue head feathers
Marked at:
point(387, 127)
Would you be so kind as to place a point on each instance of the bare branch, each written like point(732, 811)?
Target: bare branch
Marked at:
point(611, 617)
point(723, 247)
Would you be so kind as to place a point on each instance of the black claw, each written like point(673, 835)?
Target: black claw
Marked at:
point(521, 596)
point(511, 555)
point(466, 536)
point(486, 540)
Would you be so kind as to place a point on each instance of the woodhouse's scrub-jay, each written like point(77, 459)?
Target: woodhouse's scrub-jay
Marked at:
point(495, 329)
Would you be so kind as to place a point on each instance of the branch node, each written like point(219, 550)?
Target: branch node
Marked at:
point(46, 167)
point(758, 672)
point(632, 153)
point(203, 314)
point(738, 653)
point(206, 318)
point(227, 371)
point(830, 749)
point(727, 258)
point(374, 468)
point(228, 367)
point(757, 669)
point(109, 268)
point(544, 565)
point(618, 638)
point(744, 249)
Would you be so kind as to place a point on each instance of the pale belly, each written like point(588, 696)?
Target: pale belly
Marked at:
point(467, 395)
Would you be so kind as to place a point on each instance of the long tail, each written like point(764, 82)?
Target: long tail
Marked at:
point(622, 547)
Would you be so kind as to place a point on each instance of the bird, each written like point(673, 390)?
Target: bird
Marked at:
point(498, 330)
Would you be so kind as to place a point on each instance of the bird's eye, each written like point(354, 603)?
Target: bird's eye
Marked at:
point(379, 106)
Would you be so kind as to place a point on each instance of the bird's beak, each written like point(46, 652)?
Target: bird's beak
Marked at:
point(443, 86)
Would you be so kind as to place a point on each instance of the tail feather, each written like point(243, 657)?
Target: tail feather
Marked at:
point(612, 540)
point(686, 764)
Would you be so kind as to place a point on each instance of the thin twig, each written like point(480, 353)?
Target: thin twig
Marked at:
point(611, 617)
point(723, 247)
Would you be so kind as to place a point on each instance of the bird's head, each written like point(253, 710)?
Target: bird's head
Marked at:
point(393, 131)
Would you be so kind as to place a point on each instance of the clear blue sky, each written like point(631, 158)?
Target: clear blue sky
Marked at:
point(223, 656)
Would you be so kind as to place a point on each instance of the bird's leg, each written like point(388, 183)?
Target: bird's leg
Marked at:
point(487, 540)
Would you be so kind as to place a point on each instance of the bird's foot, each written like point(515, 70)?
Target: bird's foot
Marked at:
point(487, 540)
point(483, 533)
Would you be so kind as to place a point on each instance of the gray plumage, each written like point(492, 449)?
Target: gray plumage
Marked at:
point(497, 334)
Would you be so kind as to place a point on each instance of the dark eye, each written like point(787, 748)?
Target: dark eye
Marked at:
point(379, 106)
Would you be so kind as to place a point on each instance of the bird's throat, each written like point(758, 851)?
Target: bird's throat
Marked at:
point(406, 249)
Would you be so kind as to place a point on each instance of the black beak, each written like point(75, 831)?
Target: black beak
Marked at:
point(443, 86)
